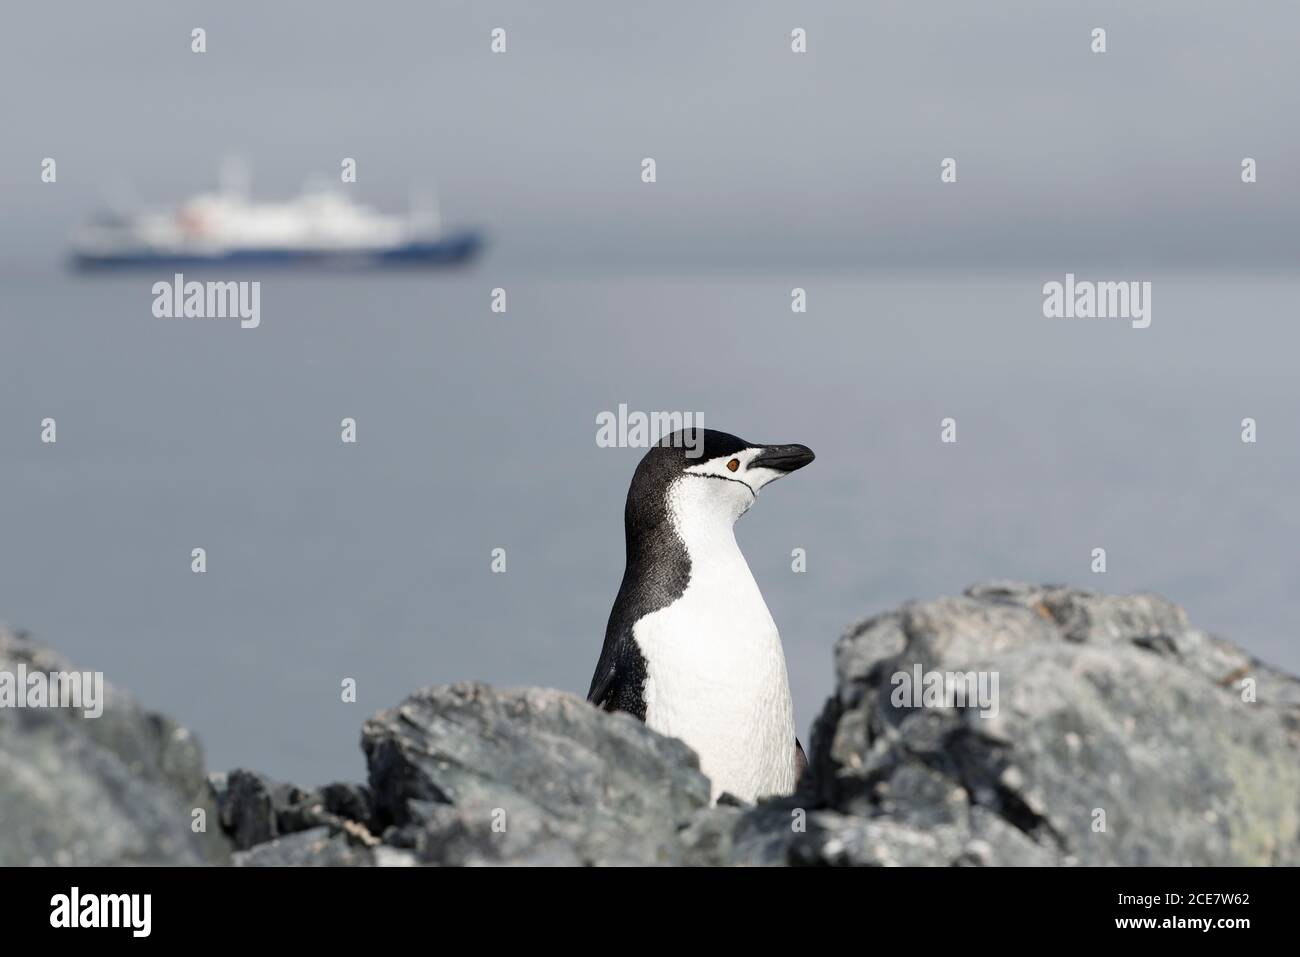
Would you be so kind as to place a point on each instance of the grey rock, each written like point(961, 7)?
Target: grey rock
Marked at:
point(468, 774)
point(348, 801)
point(1108, 704)
point(246, 807)
point(255, 809)
point(315, 847)
point(121, 788)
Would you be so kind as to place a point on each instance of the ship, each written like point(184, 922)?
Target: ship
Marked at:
point(318, 227)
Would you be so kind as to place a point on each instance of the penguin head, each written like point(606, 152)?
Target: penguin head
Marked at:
point(715, 471)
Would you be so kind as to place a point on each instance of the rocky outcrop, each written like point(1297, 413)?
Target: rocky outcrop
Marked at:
point(468, 774)
point(1122, 736)
point(120, 788)
point(1098, 730)
point(471, 775)
point(255, 810)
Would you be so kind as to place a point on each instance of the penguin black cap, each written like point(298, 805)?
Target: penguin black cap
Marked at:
point(700, 445)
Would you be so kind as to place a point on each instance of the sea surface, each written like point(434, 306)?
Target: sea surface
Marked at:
point(477, 430)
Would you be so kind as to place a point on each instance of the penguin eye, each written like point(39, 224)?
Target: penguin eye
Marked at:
point(733, 465)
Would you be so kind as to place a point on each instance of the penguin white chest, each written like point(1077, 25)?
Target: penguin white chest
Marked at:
point(716, 674)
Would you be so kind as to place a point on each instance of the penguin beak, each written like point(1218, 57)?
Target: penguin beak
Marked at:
point(782, 458)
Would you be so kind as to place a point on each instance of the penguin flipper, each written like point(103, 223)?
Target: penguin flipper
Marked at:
point(601, 685)
point(800, 760)
point(619, 680)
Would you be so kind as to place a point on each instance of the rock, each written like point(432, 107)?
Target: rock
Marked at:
point(348, 801)
point(120, 788)
point(1116, 734)
point(254, 809)
point(317, 847)
point(469, 774)
point(1113, 712)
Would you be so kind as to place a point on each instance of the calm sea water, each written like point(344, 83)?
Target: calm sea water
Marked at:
point(477, 430)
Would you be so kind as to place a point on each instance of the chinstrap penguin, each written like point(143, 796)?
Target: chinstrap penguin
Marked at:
point(691, 648)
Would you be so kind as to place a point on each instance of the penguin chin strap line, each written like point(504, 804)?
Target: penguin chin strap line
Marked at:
point(723, 478)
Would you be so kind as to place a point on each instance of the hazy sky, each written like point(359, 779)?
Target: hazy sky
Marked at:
point(764, 157)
